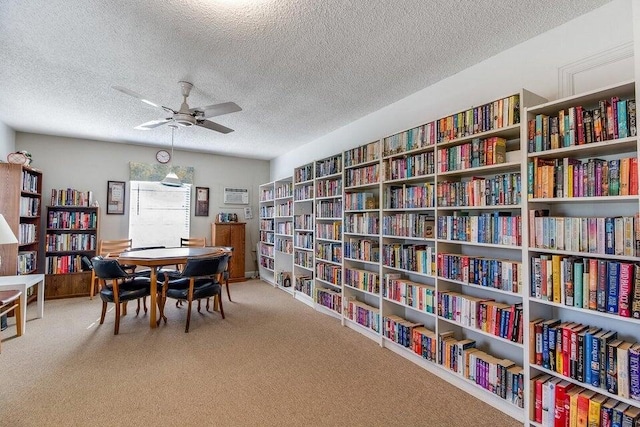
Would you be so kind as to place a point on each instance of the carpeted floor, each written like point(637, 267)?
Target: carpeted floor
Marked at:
point(272, 362)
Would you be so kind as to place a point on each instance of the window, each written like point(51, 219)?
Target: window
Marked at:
point(158, 215)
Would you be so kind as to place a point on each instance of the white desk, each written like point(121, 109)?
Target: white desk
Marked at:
point(22, 283)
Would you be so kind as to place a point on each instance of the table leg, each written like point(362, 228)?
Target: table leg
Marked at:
point(40, 302)
point(23, 305)
point(154, 298)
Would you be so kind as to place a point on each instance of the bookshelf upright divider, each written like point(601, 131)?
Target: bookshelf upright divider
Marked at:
point(303, 238)
point(266, 247)
point(283, 223)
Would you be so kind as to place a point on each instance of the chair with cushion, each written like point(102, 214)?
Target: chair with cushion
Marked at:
point(227, 272)
point(10, 301)
point(110, 249)
point(193, 242)
point(118, 287)
point(199, 279)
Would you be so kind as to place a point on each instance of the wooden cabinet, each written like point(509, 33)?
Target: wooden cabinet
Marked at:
point(21, 205)
point(231, 234)
point(72, 232)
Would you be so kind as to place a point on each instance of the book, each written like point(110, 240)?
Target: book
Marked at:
point(625, 288)
point(630, 416)
point(606, 412)
point(634, 371)
point(537, 396)
point(617, 414)
point(623, 368)
point(635, 300)
point(560, 411)
point(572, 410)
point(582, 413)
point(611, 375)
point(594, 410)
point(612, 290)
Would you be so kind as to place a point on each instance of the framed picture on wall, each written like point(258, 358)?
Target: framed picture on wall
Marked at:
point(115, 197)
point(202, 201)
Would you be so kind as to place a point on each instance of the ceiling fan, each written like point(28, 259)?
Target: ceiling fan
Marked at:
point(186, 116)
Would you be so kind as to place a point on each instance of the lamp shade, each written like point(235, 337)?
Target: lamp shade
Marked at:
point(171, 180)
point(6, 235)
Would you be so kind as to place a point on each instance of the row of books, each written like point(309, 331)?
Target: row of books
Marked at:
point(267, 250)
point(303, 173)
point(362, 154)
point(595, 235)
point(267, 237)
point(555, 401)
point(409, 196)
point(63, 264)
point(503, 189)
point(362, 249)
point(487, 272)
point(284, 209)
point(362, 176)
point(70, 242)
point(27, 262)
point(303, 192)
point(569, 177)
point(494, 115)
point(362, 223)
point(595, 284)
point(29, 206)
point(329, 166)
point(611, 119)
point(495, 318)
point(303, 240)
point(303, 222)
point(329, 298)
point(500, 228)
point(303, 258)
point(329, 208)
point(266, 195)
point(27, 233)
point(408, 225)
point(329, 273)
point(331, 231)
point(359, 201)
point(363, 314)
point(329, 252)
point(29, 182)
point(72, 220)
point(362, 279)
point(285, 227)
point(304, 284)
point(410, 257)
point(587, 354)
point(266, 224)
point(410, 293)
point(267, 263)
point(329, 188)
point(284, 245)
point(283, 278)
point(267, 211)
point(474, 154)
point(410, 166)
point(71, 197)
point(398, 330)
point(412, 139)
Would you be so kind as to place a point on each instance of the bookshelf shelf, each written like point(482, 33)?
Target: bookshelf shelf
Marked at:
point(478, 208)
point(487, 245)
point(484, 288)
point(500, 167)
point(585, 254)
point(508, 132)
point(616, 146)
point(596, 199)
point(581, 310)
point(326, 282)
point(410, 179)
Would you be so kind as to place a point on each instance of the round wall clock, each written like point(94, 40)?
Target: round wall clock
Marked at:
point(17, 158)
point(163, 156)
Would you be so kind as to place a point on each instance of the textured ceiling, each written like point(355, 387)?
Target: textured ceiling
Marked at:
point(298, 68)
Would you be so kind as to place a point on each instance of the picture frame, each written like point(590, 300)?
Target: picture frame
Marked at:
point(202, 201)
point(116, 192)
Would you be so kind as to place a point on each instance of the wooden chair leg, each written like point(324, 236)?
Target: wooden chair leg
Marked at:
point(219, 296)
point(18, 313)
point(199, 306)
point(104, 311)
point(227, 285)
point(144, 303)
point(124, 308)
point(138, 308)
point(117, 324)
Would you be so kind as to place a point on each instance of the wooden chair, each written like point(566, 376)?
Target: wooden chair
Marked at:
point(193, 242)
point(10, 301)
point(109, 249)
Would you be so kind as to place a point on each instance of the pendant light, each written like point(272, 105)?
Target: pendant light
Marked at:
point(171, 180)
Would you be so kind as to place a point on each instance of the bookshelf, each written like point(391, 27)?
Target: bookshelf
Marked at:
point(581, 215)
point(475, 199)
point(266, 245)
point(71, 233)
point(21, 205)
point(283, 224)
point(328, 235)
point(303, 234)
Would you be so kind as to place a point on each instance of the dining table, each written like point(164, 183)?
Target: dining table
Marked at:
point(157, 258)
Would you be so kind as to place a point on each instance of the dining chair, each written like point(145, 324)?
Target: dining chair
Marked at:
point(110, 249)
point(200, 279)
point(193, 242)
point(10, 301)
point(227, 272)
point(118, 287)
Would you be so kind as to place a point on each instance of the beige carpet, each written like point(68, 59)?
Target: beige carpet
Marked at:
point(272, 362)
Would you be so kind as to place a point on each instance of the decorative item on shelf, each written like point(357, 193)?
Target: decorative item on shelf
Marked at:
point(227, 217)
point(370, 203)
point(171, 179)
point(6, 234)
point(19, 158)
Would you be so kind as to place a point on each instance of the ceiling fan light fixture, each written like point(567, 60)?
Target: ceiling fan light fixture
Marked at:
point(171, 180)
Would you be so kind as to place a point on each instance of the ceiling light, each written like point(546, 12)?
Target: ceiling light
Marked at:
point(171, 180)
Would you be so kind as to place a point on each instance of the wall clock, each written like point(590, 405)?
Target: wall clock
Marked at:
point(17, 158)
point(163, 156)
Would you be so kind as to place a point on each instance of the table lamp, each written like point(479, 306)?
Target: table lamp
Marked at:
point(6, 235)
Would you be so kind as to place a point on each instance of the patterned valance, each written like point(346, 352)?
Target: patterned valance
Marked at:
point(157, 172)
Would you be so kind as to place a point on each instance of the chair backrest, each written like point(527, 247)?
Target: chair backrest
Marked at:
point(193, 242)
point(203, 267)
point(113, 247)
point(107, 269)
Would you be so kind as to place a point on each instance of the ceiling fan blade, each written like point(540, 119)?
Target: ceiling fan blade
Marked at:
point(214, 126)
point(216, 109)
point(152, 124)
point(141, 98)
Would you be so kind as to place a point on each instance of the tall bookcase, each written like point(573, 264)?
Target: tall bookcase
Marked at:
point(303, 233)
point(461, 239)
point(71, 233)
point(328, 235)
point(582, 250)
point(283, 223)
point(266, 246)
point(21, 205)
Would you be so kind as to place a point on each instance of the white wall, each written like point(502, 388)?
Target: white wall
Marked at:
point(533, 65)
point(7, 141)
point(88, 165)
